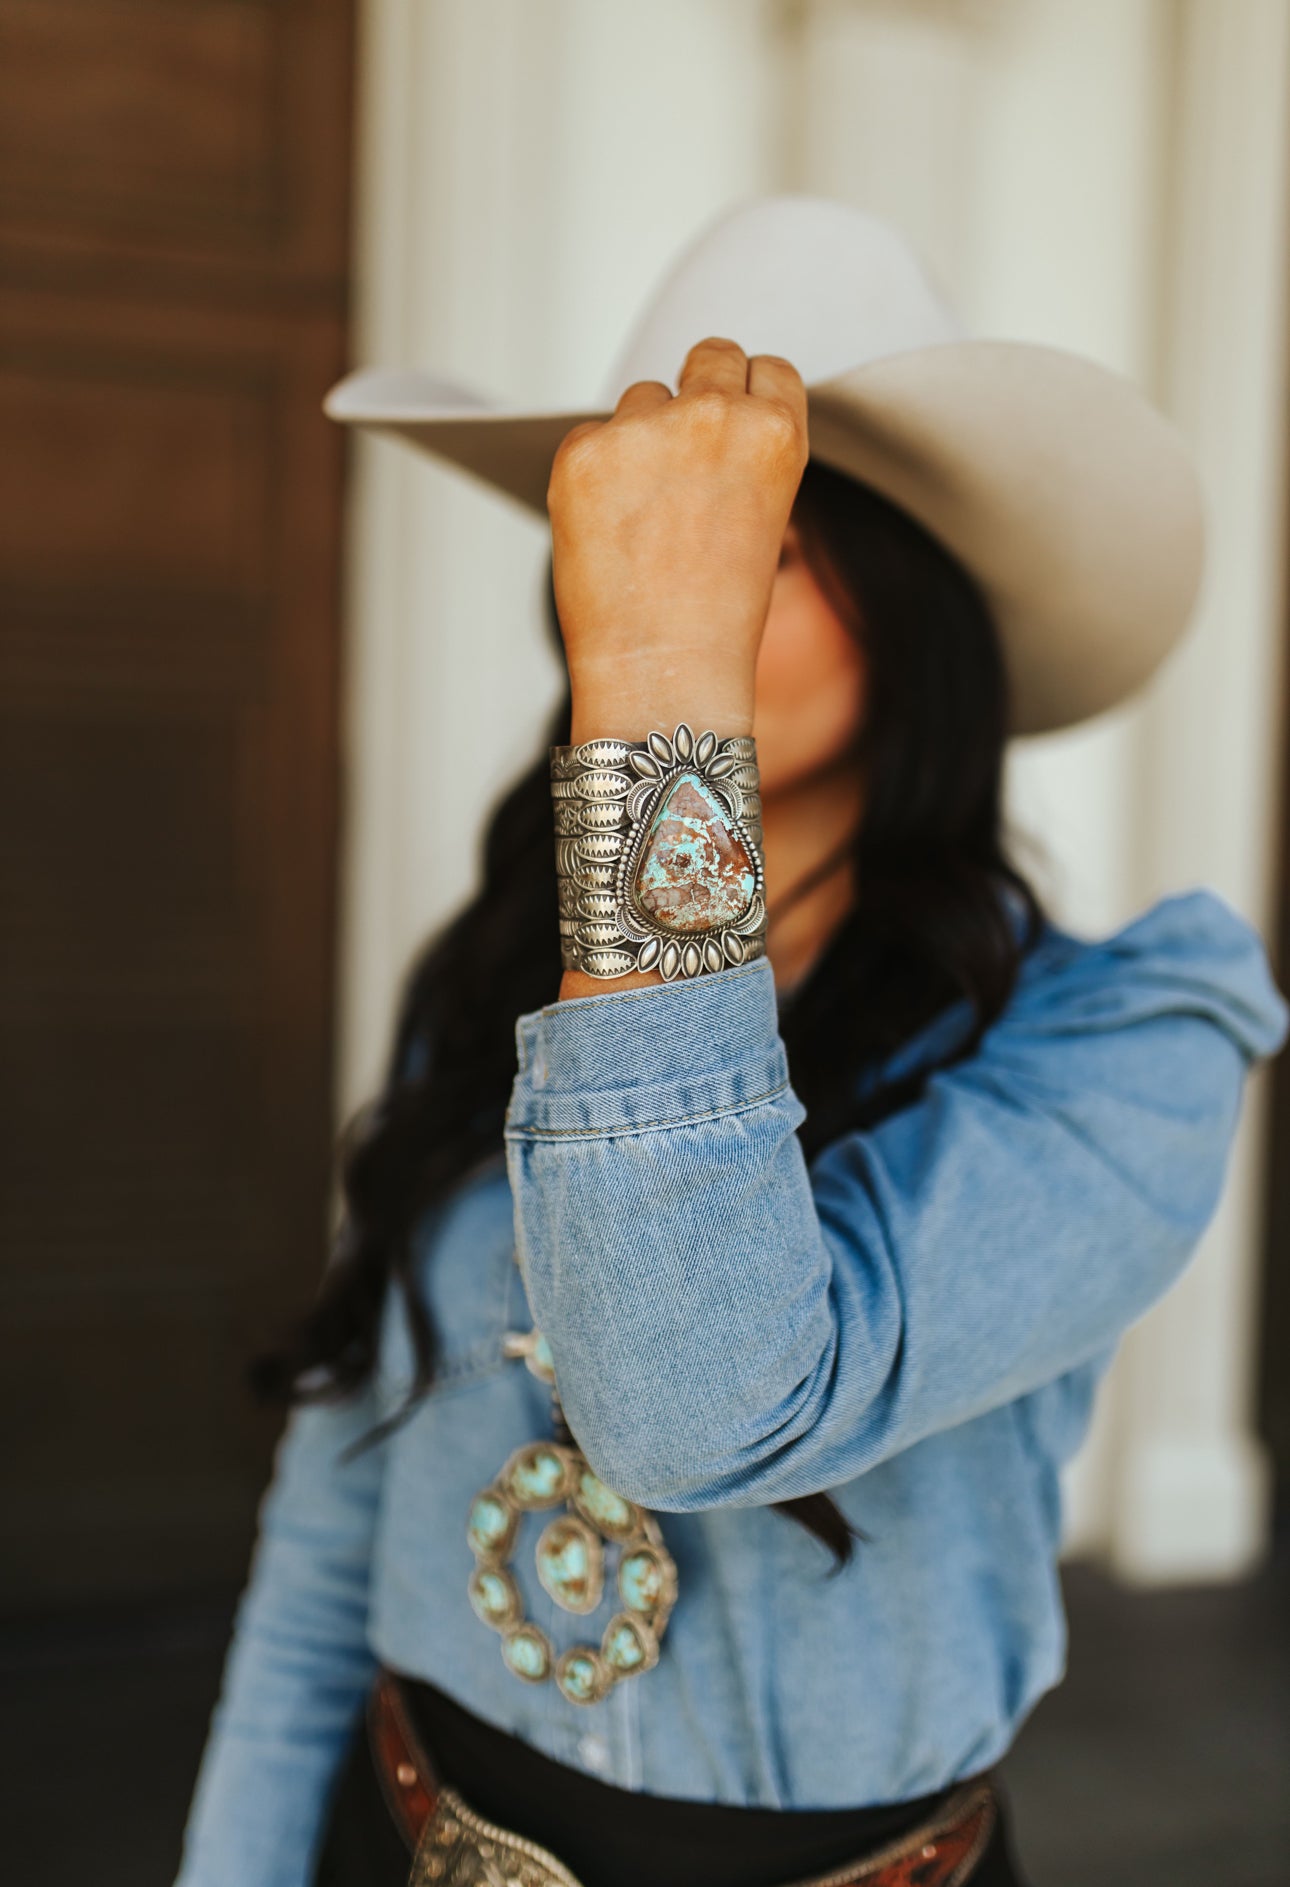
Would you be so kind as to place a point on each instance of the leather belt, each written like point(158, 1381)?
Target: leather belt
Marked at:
point(452, 1846)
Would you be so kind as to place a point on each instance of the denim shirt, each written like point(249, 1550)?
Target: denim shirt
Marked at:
point(916, 1321)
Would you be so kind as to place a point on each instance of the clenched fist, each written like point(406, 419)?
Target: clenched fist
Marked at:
point(666, 526)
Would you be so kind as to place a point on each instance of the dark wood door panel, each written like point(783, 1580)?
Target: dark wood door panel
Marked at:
point(142, 115)
point(169, 532)
point(136, 464)
point(167, 1468)
point(135, 805)
point(136, 1156)
point(210, 133)
point(173, 595)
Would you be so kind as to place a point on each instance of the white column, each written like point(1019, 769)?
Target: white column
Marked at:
point(1190, 1487)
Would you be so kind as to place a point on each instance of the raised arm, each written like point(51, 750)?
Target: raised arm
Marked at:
point(727, 1326)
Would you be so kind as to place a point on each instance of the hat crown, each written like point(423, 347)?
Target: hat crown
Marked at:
point(823, 284)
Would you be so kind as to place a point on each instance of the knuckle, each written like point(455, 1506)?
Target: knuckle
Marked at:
point(780, 423)
point(574, 452)
point(638, 387)
point(709, 410)
point(714, 400)
point(781, 436)
point(572, 440)
point(722, 342)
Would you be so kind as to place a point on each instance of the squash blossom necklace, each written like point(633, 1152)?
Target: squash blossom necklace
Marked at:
point(570, 1556)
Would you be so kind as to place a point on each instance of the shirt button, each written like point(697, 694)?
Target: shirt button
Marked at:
point(594, 1751)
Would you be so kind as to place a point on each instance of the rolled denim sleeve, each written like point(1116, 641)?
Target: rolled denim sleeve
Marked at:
point(298, 1666)
point(731, 1327)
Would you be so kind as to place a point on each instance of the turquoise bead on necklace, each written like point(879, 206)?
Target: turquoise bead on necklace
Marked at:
point(571, 1556)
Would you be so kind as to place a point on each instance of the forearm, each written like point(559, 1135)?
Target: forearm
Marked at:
point(665, 1228)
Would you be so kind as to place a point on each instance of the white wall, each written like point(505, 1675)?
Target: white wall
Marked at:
point(1108, 176)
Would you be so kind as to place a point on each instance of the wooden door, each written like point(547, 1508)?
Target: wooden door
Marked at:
point(173, 244)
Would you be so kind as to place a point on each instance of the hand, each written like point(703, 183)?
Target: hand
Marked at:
point(666, 526)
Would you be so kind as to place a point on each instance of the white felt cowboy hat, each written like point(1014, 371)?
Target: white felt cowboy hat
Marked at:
point(1069, 498)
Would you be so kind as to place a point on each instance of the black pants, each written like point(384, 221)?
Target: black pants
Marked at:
point(363, 1848)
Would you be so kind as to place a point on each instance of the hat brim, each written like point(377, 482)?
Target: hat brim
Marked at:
point(1071, 501)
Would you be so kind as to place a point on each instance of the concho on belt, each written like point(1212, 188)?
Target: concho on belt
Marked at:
point(658, 852)
point(461, 1849)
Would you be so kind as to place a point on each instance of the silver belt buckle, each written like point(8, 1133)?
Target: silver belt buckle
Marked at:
point(458, 1848)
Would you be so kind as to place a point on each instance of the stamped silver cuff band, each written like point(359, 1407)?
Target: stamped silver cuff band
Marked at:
point(658, 852)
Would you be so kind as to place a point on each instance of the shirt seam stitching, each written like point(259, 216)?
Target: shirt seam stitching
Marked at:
point(644, 1126)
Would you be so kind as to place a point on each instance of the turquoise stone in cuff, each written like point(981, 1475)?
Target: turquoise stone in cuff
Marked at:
point(694, 872)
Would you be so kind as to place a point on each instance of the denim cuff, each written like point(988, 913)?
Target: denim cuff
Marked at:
point(656, 1056)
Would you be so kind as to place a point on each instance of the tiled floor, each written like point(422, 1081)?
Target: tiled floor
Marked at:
point(1163, 1761)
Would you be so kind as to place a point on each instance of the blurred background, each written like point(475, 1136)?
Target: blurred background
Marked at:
point(258, 693)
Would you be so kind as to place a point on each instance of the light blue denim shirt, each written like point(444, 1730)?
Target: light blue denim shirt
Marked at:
point(916, 1322)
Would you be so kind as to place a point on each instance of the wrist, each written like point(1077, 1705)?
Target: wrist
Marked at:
point(625, 699)
point(575, 983)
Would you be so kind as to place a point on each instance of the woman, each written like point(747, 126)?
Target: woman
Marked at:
point(716, 1363)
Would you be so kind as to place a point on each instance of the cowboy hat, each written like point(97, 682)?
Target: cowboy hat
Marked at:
point(1072, 502)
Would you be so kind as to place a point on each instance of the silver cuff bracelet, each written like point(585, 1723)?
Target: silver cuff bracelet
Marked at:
point(658, 854)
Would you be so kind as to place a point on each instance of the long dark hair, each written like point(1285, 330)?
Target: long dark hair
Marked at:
point(928, 928)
